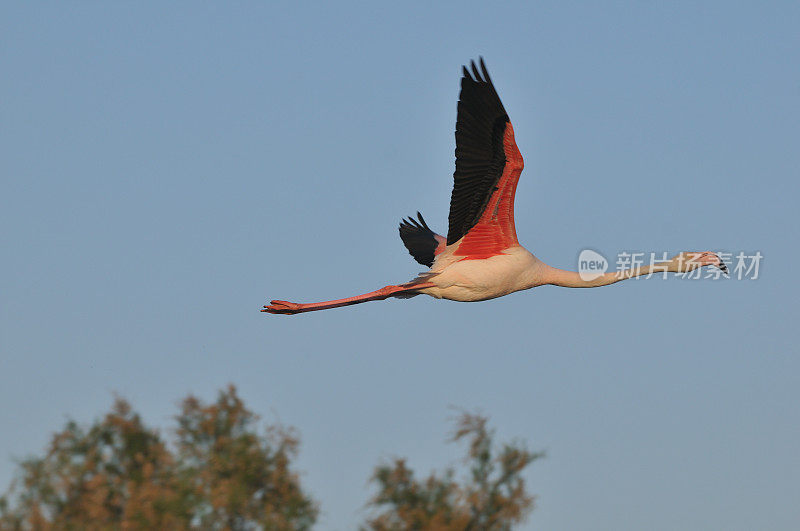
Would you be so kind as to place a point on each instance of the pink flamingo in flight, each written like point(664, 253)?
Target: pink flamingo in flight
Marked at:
point(481, 257)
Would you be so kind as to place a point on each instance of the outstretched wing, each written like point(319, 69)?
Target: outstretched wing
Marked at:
point(488, 166)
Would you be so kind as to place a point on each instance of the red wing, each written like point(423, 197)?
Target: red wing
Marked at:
point(495, 230)
point(488, 166)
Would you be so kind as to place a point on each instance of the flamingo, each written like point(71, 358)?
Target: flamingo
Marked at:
point(481, 258)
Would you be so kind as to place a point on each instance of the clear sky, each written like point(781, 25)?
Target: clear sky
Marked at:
point(167, 169)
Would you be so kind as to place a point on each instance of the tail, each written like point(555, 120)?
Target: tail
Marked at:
point(420, 240)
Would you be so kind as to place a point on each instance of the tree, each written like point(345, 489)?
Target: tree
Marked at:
point(119, 474)
point(240, 480)
point(115, 472)
point(494, 497)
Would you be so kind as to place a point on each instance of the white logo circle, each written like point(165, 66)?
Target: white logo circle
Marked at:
point(591, 265)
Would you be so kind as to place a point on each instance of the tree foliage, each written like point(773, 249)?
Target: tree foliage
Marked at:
point(219, 471)
point(239, 479)
point(493, 498)
point(118, 474)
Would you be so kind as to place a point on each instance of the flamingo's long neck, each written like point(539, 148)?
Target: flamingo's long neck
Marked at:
point(572, 279)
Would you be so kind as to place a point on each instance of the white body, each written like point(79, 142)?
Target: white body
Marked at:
point(478, 280)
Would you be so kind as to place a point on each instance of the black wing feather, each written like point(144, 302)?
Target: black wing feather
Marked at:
point(419, 239)
point(480, 157)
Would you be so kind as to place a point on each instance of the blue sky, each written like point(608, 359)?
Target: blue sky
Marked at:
point(168, 169)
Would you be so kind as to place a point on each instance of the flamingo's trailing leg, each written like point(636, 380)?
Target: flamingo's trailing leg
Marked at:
point(403, 290)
